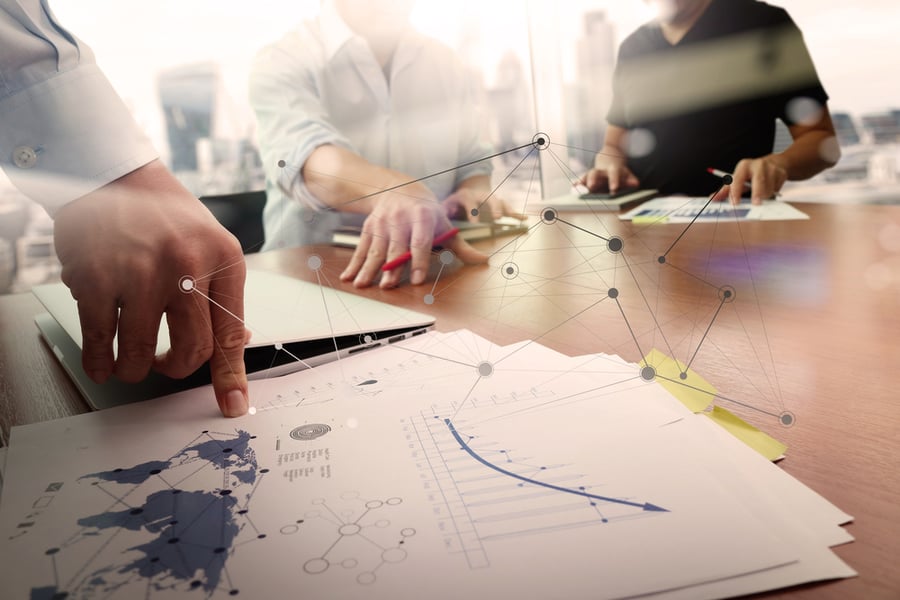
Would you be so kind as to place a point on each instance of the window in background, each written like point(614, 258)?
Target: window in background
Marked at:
point(540, 65)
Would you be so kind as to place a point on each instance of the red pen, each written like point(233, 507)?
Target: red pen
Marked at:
point(406, 256)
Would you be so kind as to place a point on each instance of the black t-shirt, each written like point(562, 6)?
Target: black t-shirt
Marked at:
point(711, 99)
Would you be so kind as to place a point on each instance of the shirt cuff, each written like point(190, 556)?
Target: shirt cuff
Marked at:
point(67, 136)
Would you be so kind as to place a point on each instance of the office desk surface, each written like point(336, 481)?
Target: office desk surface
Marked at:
point(825, 294)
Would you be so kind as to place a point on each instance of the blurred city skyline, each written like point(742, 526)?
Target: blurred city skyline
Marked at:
point(182, 68)
point(854, 46)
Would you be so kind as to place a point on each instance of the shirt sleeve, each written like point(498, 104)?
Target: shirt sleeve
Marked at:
point(64, 131)
point(474, 147)
point(796, 103)
point(291, 118)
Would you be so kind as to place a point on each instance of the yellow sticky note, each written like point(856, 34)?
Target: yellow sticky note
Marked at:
point(650, 220)
point(747, 433)
point(685, 384)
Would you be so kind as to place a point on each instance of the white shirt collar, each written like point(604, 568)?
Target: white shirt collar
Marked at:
point(335, 32)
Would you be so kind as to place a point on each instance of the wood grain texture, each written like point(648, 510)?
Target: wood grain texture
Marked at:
point(814, 330)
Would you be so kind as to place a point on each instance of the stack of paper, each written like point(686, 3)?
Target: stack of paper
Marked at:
point(442, 467)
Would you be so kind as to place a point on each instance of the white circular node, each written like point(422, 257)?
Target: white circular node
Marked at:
point(349, 529)
point(485, 369)
point(251, 410)
point(279, 346)
point(393, 555)
point(408, 532)
point(393, 501)
point(639, 142)
point(367, 339)
point(429, 299)
point(290, 529)
point(374, 504)
point(804, 110)
point(315, 566)
point(446, 257)
point(314, 262)
point(366, 578)
point(186, 284)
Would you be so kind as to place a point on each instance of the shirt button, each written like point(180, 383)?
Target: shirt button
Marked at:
point(24, 157)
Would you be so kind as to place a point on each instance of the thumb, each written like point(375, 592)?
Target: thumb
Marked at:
point(466, 253)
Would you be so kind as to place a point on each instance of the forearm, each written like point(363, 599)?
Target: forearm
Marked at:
point(347, 182)
point(808, 155)
point(480, 184)
point(613, 145)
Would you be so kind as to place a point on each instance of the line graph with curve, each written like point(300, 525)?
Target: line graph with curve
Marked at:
point(483, 491)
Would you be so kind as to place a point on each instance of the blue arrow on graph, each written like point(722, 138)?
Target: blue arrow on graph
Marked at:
point(645, 506)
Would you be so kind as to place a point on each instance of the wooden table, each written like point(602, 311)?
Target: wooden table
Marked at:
point(813, 334)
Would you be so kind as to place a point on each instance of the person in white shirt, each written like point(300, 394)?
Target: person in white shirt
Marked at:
point(361, 119)
point(127, 233)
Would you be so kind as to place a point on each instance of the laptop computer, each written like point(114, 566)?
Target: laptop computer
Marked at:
point(595, 202)
point(296, 325)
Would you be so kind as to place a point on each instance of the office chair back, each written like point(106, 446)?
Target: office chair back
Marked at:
point(241, 214)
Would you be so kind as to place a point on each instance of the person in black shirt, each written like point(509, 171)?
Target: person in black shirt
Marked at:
point(701, 88)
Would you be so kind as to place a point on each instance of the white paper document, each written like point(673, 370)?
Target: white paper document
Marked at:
point(686, 209)
point(442, 467)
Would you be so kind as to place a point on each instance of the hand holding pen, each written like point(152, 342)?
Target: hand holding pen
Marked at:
point(407, 256)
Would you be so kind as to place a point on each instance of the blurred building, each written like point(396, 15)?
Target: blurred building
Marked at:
point(882, 128)
point(845, 127)
point(589, 97)
point(210, 150)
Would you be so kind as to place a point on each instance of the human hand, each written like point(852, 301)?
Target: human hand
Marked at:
point(475, 204)
point(610, 172)
point(765, 175)
point(400, 222)
point(143, 246)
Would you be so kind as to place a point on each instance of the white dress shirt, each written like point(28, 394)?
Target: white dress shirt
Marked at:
point(64, 131)
point(321, 84)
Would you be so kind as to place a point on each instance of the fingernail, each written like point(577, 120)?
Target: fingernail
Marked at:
point(235, 404)
point(99, 375)
point(417, 276)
